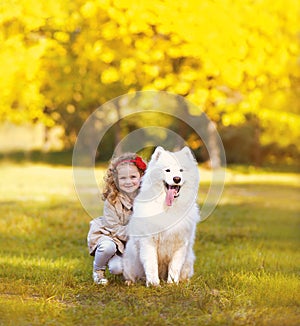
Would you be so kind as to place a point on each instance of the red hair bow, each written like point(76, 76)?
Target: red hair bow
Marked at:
point(139, 163)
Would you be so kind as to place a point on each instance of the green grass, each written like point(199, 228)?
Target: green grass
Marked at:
point(246, 271)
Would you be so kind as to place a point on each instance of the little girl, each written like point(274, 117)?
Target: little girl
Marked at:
point(107, 235)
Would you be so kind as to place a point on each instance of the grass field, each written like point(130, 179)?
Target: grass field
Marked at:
point(246, 271)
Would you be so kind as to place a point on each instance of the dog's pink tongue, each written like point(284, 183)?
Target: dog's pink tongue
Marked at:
point(170, 196)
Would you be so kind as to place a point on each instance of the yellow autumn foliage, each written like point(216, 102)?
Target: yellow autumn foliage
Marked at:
point(231, 58)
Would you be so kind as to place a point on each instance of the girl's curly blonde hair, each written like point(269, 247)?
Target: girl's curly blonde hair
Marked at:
point(111, 191)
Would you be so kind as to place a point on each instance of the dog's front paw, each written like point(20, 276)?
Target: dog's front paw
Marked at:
point(172, 280)
point(170, 283)
point(150, 283)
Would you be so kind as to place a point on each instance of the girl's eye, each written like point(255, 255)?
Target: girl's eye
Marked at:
point(168, 170)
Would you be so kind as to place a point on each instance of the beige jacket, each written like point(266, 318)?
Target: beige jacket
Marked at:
point(113, 223)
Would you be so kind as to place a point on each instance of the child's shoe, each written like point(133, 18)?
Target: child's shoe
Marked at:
point(99, 277)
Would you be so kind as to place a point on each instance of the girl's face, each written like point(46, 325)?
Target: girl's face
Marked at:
point(129, 178)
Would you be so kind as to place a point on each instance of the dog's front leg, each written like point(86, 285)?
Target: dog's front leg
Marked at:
point(176, 264)
point(148, 256)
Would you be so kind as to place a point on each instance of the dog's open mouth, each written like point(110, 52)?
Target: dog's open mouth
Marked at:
point(172, 193)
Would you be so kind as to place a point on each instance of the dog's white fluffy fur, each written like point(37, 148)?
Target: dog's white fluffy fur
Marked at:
point(162, 227)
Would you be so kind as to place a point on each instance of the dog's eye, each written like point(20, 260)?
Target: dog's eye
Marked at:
point(168, 170)
point(181, 170)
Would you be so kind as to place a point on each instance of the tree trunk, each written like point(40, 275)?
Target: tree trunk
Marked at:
point(213, 148)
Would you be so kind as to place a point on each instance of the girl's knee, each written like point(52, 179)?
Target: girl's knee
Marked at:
point(107, 247)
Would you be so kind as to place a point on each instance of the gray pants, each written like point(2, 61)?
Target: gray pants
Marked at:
point(105, 254)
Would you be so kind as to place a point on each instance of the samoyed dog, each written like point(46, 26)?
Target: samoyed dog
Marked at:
point(163, 224)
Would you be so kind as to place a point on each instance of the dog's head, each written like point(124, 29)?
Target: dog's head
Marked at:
point(172, 170)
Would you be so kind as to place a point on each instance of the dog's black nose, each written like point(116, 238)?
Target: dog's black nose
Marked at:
point(176, 179)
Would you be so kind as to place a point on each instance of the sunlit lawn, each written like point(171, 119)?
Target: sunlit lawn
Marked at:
point(246, 271)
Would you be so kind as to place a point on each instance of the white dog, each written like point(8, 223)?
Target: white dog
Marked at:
point(162, 227)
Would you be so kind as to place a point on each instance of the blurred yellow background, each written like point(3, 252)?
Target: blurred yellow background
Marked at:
point(238, 61)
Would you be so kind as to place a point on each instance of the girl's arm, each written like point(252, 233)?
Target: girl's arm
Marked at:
point(112, 222)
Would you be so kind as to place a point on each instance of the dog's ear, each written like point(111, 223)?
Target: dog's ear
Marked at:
point(188, 152)
point(157, 153)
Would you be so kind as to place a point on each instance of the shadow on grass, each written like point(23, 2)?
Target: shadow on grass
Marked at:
point(53, 158)
point(64, 158)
